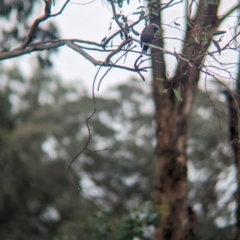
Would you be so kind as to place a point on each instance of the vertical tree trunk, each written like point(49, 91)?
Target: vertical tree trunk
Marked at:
point(234, 132)
point(172, 121)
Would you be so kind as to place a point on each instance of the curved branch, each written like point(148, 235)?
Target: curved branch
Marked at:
point(131, 26)
point(228, 13)
point(117, 50)
point(30, 49)
point(72, 40)
point(33, 28)
point(103, 63)
point(61, 10)
point(40, 46)
point(37, 21)
point(83, 53)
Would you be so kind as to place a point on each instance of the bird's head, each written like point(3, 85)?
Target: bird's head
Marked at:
point(155, 27)
point(156, 30)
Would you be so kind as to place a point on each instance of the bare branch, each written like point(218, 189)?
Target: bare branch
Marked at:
point(37, 21)
point(117, 50)
point(105, 63)
point(100, 81)
point(51, 44)
point(30, 49)
point(85, 147)
point(116, 19)
point(35, 25)
point(129, 27)
point(170, 4)
point(167, 52)
point(228, 13)
point(83, 53)
point(61, 10)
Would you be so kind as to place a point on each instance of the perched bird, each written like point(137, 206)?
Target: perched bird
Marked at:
point(148, 34)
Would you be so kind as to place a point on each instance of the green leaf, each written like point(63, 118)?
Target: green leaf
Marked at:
point(110, 26)
point(217, 46)
point(177, 94)
point(141, 15)
point(121, 35)
point(154, 12)
point(136, 13)
point(153, 219)
point(165, 90)
point(161, 79)
point(120, 3)
point(103, 40)
point(218, 32)
point(176, 24)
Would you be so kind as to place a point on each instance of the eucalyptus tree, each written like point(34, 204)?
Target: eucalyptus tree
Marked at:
point(173, 94)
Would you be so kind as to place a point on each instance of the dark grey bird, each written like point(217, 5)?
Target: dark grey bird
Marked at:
point(148, 34)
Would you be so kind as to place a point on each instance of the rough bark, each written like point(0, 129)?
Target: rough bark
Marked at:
point(234, 134)
point(172, 121)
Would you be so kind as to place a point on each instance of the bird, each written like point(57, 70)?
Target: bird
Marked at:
point(148, 34)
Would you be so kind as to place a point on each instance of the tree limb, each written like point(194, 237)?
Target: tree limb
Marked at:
point(228, 13)
point(37, 21)
point(83, 53)
point(116, 19)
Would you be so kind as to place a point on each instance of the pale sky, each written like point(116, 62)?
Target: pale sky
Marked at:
point(91, 22)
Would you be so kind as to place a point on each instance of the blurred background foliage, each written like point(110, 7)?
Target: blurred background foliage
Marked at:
point(42, 127)
point(16, 18)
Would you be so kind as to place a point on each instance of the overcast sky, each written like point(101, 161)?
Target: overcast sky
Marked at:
point(91, 22)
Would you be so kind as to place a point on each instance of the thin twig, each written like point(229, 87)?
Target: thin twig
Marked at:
point(116, 19)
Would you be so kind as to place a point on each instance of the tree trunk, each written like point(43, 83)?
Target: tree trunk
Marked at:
point(172, 121)
point(234, 133)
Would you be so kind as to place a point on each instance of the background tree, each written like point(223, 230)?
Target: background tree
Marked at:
point(34, 186)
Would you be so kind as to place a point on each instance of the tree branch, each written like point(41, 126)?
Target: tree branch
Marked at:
point(117, 50)
point(116, 19)
point(228, 13)
point(51, 44)
point(30, 49)
point(103, 63)
point(61, 10)
point(83, 53)
point(37, 21)
point(129, 27)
